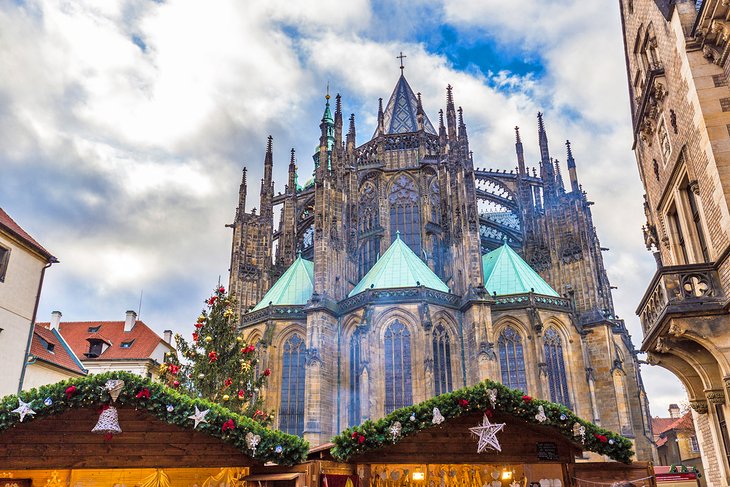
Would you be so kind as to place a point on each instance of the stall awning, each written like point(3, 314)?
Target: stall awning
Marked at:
point(274, 476)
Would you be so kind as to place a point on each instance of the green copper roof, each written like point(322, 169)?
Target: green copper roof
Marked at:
point(399, 266)
point(295, 286)
point(506, 273)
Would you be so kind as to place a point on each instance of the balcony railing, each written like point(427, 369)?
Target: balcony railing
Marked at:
point(686, 289)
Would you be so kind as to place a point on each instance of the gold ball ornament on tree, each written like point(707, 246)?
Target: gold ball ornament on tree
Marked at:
point(226, 397)
point(208, 339)
point(239, 339)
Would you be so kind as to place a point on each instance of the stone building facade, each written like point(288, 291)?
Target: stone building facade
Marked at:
point(676, 57)
point(400, 271)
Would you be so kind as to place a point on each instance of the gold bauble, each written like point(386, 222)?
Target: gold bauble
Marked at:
point(239, 339)
point(226, 397)
point(208, 339)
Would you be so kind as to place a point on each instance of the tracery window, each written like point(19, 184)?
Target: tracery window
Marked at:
point(441, 360)
point(368, 207)
point(291, 412)
point(405, 215)
point(398, 377)
point(556, 373)
point(434, 195)
point(355, 375)
point(368, 255)
point(512, 359)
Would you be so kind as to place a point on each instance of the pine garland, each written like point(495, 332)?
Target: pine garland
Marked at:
point(372, 435)
point(89, 392)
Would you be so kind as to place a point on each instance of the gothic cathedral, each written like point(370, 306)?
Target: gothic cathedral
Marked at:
point(399, 272)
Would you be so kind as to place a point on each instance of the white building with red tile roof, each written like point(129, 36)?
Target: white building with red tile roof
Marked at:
point(102, 346)
point(23, 262)
point(50, 359)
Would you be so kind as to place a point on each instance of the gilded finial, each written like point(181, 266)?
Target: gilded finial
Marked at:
point(327, 96)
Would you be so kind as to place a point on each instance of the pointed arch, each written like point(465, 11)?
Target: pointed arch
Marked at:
point(442, 374)
point(405, 211)
point(356, 363)
point(512, 358)
point(556, 372)
point(397, 367)
point(291, 409)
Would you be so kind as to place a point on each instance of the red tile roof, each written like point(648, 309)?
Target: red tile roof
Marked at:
point(10, 226)
point(662, 425)
point(61, 356)
point(76, 334)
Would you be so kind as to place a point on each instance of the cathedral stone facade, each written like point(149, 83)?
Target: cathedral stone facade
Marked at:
point(400, 271)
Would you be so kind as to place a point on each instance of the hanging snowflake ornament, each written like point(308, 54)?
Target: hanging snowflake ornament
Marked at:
point(540, 416)
point(395, 430)
point(492, 395)
point(486, 432)
point(199, 416)
point(108, 423)
point(23, 409)
point(437, 417)
point(114, 387)
point(252, 441)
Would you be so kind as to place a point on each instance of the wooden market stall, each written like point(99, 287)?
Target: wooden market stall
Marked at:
point(483, 435)
point(149, 435)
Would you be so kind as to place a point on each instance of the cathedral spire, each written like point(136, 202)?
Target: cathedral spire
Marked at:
point(351, 135)
point(572, 173)
point(462, 125)
point(419, 112)
point(520, 152)
point(323, 159)
point(558, 176)
point(547, 171)
point(267, 185)
point(381, 118)
point(450, 114)
point(338, 121)
point(242, 190)
point(442, 129)
point(292, 173)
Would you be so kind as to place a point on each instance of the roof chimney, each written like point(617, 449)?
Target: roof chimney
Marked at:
point(674, 411)
point(55, 320)
point(167, 336)
point(130, 320)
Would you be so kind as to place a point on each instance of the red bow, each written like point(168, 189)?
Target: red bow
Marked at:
point(70, 391)
point(199, 325)
point(601, 438)
point(267, 372)
point(143, 394)
point(527, 398)
point(211, 300)
point(228, 425)
point(195, 336)
point(463, 403)
point(240, 394)
point(212, 357)
point(228, 382)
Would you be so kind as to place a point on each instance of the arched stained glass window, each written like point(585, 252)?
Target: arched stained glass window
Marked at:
point(369, 220)
point(355, 376)
point(405, 213)
point(557, 376)
point(291, 412)
point(512, 359)
point(398, 378)
point(368, 255)
point(441, 360)
point(435, 200)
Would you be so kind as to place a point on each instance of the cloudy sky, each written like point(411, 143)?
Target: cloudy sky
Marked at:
point(124, 125)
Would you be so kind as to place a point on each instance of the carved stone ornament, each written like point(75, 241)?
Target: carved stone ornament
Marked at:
point(699, 406)
point(486, 351)
point(542, 369)
point(726, 380)
point(715, 396)
point(313, 357)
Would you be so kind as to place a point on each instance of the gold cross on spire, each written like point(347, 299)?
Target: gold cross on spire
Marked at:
point(401, 61)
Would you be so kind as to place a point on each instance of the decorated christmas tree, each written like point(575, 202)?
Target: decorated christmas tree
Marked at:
point(218, 364)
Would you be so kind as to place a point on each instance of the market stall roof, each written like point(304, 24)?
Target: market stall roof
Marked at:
point(156, 424)
point(441, 430)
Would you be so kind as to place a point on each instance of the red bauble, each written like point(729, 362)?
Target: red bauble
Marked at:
point(267, 372)
point(221, 289)
point(212, 357)
point(361, 439)
point(527, 398)
point(70, 391)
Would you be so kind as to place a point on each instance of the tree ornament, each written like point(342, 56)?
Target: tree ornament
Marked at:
point(437, 417)
point(114, 388)
point(201, 318)
point(267, 372)
point(252, 441)
point(527, 398)
point(48, 401)
point(70, 391)
point(540, 416)
point(241, 395)
point(212, 356)
point(279, 449)
point(413, 417)
point(395, 430)
point(463, 403)
point(563, 417)
point(226, 397)
point(108, 423)
point(143, 394)
point(208, 339)
point(610, 441)
point(492, 396)
point(199, 416)
point(245, 366)
point(170, 408)
point(487, 434)
point(239, 338)
point(579, 430)
point(23, 409)
point(228, 425)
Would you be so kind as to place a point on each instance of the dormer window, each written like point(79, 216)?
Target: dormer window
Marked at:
point(94, 329)
point(127, 344)
point(46, 344)
point(95, 348)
